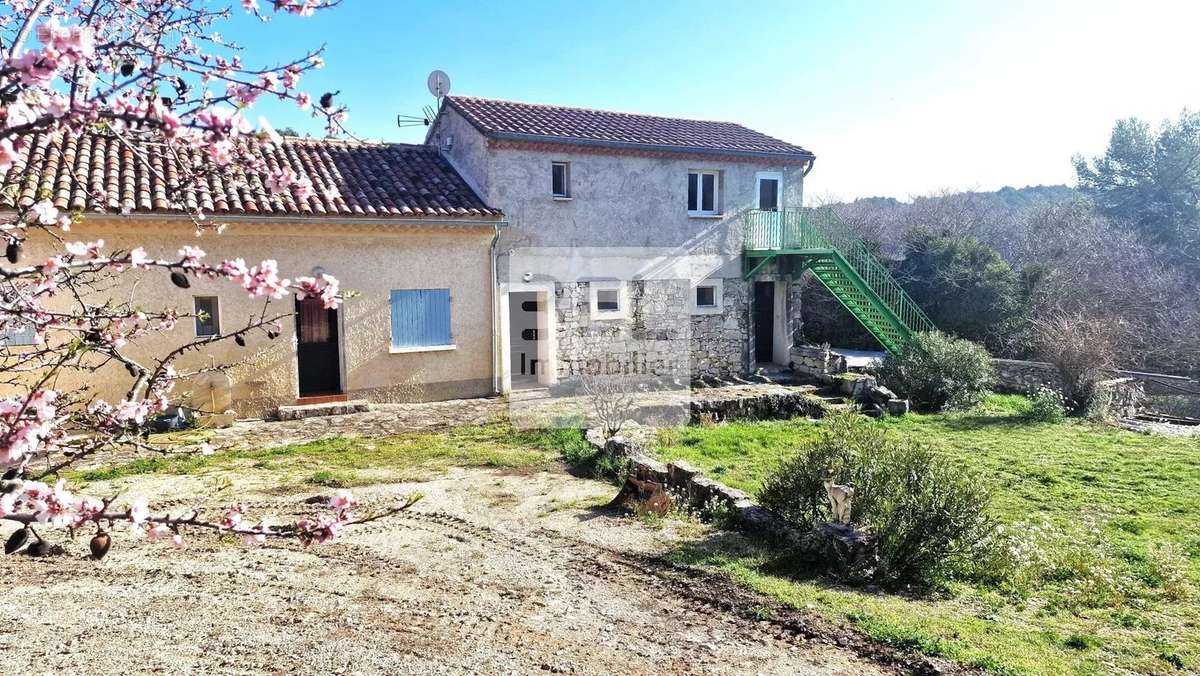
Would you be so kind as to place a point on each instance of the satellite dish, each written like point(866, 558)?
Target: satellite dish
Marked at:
point(439, 83)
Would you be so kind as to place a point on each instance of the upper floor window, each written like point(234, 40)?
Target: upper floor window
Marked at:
point(770, 190)
point(704, 193)
point(560, 179)
point(208, 316)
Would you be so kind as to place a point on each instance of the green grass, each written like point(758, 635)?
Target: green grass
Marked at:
point(345, 462)
point(1141, 491)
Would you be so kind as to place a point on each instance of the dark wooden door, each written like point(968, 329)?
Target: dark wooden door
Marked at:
point(764, 321)
point(317, 348)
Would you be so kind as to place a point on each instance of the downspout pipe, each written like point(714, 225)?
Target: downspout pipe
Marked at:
point(494, 283)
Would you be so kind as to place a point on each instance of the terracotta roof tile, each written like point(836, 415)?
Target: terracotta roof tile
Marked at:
point(99, 173)
point(559, 123)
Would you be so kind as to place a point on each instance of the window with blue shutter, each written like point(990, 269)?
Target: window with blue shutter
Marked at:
point(421, 318)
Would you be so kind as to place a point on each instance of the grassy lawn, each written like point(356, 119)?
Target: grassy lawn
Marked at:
point(1131, 502)
point(345, 462)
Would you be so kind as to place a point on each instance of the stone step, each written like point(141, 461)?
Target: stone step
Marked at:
point(326, 409)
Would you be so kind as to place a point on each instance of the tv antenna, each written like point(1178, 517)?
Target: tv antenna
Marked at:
point(439, 85)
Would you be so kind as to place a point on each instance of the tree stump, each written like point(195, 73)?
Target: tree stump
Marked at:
point(643, 497)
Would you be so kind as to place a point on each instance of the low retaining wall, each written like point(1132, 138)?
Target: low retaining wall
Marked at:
point(689, 481)
point(765, 406)
point(817, 361)
point(1025, 377)
point(1117, 398)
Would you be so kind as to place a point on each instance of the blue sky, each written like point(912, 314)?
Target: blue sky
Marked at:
point(895, 98)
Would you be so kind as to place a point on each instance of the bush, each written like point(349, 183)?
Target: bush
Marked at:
point(926, 515)
point(965, 287)
point(937, 371)
point(1047, 405)
point(584, 458)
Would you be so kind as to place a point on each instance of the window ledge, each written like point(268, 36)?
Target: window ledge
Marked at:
point(608, 316)
point(696, 215)
point(710, 310)
point(421, 348)
point(561, 198)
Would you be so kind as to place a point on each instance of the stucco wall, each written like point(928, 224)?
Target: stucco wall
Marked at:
point(368, 260)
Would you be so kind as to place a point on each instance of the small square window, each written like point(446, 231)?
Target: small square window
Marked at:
point(208, 316)
point(560, 179)
point(704, 193)
point(608, 300)
point(706, 297)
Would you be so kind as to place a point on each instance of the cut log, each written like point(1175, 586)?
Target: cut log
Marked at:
point(643, 497)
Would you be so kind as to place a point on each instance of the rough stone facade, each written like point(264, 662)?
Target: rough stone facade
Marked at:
point(653, 341)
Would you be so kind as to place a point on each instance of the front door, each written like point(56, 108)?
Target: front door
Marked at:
point(764, 322)
point(317, 348)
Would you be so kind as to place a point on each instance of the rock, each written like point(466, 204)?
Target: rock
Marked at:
point(680, 473)
point(838, 549)
point(643, 497)
point(898, 406)
point(880, 394)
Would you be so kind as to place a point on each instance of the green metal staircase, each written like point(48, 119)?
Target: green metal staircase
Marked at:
point(817, 240)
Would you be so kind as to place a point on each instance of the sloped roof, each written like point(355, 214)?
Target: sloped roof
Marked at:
point(540, 122)
point(98, 173)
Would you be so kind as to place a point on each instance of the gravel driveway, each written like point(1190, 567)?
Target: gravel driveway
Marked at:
point(491, 573)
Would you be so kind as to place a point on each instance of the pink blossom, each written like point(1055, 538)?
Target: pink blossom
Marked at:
point(85, 250)
point(139, 511)
point(342, 500)
point(45, 212)
point(281, 180)
point(7, 154)
point(191, 256)
point(138, 258)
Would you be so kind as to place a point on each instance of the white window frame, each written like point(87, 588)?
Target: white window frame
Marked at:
point(622, 310)
point(718, 288)
point(566, 195)
point(699, 212)
point(216, 317)
point(776, 176)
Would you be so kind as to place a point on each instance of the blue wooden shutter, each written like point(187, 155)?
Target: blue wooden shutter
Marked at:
point(421, 317)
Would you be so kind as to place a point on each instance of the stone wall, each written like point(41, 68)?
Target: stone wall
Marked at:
point(1117, 399)
point(660, 337)
point(817, 361)
point(688, 481)
point(1025, 377)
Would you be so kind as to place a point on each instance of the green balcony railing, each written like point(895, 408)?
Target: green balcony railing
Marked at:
point(841, 260)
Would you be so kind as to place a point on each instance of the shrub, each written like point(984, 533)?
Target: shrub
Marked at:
point(1047, 405)
point(1082, 348)
point(937, 371)
point(581, 456)
point(964, 286)
point(925, 514)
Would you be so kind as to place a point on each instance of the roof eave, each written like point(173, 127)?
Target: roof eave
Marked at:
point(481, 220)
point(650, 147)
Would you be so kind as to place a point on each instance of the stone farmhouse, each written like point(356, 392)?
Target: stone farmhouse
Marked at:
point(629, 226)
point(521, 245)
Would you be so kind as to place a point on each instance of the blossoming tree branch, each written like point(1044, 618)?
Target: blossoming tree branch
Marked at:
point(145, 74)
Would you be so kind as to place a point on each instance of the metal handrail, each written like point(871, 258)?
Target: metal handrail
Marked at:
point(809, 230)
